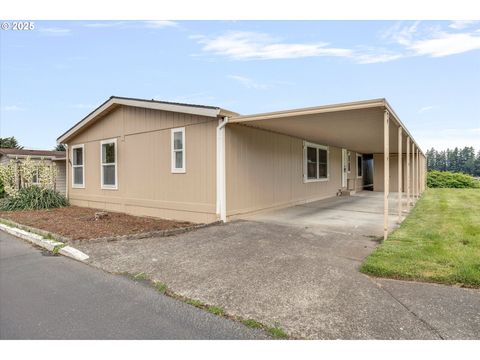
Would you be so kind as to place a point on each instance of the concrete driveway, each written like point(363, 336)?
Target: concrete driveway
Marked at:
point(295, 269)
point(357, 215)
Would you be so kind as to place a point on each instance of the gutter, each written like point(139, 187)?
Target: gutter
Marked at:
point(221, 209)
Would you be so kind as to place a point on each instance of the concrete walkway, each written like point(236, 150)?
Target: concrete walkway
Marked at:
point(302, 278)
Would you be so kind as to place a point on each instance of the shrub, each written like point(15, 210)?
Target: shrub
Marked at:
point(33, 198)
point(447, 179)
point(2, 190)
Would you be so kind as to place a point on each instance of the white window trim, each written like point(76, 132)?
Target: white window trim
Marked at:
point(305, 174)
point(102, 185)
point(78, 186)
point(38, 176)
point(174, 169)
point(349, 162)
point(356, 165)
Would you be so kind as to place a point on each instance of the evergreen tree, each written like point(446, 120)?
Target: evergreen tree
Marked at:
point(9, 143)
point(60, 147)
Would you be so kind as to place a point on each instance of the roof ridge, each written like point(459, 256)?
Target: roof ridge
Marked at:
point(165, 102)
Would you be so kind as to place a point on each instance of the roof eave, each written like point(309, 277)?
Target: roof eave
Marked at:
point(115, 101)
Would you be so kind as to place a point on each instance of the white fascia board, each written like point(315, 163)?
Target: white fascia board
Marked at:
point(138, 103)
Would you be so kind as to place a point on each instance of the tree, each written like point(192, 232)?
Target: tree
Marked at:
point(476, 165)
point(9, 143)
point(60, 147)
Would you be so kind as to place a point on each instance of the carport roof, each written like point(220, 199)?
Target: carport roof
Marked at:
point(355, 126)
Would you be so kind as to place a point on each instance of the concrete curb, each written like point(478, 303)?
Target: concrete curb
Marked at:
point(48, 244)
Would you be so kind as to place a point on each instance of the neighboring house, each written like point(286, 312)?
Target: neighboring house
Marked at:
point(57, 157)
point(203, 163)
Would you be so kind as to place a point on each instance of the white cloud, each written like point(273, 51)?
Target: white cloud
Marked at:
point(433, 41)
point(247, 82)
point(444, 44)
point(55, 31)
point(462, 24)
point(108, 24)
point(426, 108)
point(242, 45)
point(376, 56)
point(158, 24)
point(13, 108)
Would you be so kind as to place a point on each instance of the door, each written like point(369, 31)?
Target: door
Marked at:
point(344, 168)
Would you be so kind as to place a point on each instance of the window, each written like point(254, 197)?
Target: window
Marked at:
point(109, 164)
point(315, 162)
point(35, 177)
point(359, 165)
point(78, 166)
point(178, 150)
point(349, 162)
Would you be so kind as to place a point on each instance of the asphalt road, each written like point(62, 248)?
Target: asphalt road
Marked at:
point(53, 297)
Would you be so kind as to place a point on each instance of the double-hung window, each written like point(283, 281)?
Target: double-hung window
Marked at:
point(108, 158)
point(315, 159)
point(178, 150)
point(359, 165)
point(35, 177)
point(78, 166)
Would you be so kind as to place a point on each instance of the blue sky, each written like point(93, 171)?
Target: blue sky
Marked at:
point(429, 71)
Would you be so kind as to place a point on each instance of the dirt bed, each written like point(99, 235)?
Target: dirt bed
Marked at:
point(79, 223)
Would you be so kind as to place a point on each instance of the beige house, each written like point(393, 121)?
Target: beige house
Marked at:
point(202, 163)
point(56, 157)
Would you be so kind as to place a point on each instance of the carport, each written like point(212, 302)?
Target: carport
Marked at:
point(367, 127)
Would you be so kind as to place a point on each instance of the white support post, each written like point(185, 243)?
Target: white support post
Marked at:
point(67, 165)
point(386, 171)
point(399, 174)
point(221, 171)
point(408, 171)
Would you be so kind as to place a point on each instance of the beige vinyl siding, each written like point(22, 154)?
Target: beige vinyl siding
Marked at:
point(265, 170)
point(60, 183)
point(146, 185)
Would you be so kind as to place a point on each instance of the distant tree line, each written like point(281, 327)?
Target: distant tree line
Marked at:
point(455, 160)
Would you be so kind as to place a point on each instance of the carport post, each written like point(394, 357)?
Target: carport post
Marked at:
point(413, 172)
point(418, 172)
point(386, 168)
point(408, 171)
point(399, 174)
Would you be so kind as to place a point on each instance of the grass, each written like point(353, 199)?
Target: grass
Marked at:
point(438, 242)
point(160, 287)
point(254, 324)
point(140, 276)
point(215, 310)
point(277, 332)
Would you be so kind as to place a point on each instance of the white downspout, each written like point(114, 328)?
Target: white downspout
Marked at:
point(221, 172)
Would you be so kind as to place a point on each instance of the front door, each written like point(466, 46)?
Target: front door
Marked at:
point(344, 168)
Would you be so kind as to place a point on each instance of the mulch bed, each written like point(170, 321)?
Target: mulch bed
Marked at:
point(78, 223)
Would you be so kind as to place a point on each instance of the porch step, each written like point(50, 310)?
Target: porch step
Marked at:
point(348, 192)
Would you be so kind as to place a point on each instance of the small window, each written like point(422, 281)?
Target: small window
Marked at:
point(178, 150)
point(359, 165)
point(78, 166)
point(315, 162)
point(349, 162)
point(109, 164)
point(35, 177)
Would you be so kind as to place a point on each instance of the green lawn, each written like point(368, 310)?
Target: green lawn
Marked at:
point(438, 242)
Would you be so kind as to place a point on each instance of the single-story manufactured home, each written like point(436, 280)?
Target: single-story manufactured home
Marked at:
point(203, 163)
point(48, 156)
